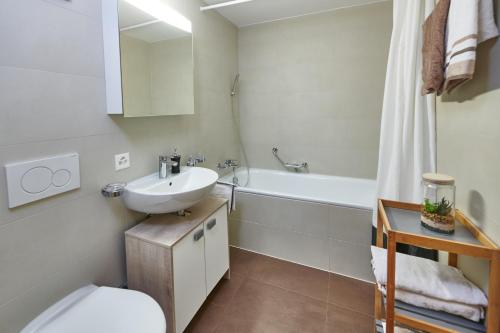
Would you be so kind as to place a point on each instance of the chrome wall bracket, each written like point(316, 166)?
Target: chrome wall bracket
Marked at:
point(113, 190)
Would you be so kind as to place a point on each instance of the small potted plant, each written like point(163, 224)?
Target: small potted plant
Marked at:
point(438, 207)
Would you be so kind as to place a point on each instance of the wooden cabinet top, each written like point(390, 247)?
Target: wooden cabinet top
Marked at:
point(167, 229)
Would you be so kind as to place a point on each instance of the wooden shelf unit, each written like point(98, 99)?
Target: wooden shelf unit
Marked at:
point(467, 240)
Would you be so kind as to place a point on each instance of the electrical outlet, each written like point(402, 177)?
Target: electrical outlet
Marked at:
point(122, 161)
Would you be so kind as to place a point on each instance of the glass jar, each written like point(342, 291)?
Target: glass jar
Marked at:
point(438, 204)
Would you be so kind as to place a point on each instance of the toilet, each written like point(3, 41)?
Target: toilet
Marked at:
point(101, 310)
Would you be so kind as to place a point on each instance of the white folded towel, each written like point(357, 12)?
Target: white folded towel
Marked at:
point(471, 312)
point(225, 191)
point(426, 283)
point(470, 22)
point(397, 329)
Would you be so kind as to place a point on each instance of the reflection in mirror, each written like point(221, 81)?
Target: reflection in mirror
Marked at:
point(156, 60)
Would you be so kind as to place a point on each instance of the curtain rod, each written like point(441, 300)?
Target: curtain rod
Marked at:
point(223, 4)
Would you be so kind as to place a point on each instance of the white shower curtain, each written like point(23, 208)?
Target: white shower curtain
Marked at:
point(408, 135)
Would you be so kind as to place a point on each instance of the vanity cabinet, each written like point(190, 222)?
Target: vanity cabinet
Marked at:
point(178, 260)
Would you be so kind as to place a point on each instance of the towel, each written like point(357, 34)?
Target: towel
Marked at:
point(381, 328)
point(426, 283)
point(470, 22)
point(225, 191)
point(471, 312)
point(428, 277)
point(433, 50)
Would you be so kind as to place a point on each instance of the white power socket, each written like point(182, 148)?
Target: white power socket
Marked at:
point(122, 161)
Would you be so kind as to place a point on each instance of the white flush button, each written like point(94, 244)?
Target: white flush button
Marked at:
point(36, 180)
point(33, 180)
point(61, 177)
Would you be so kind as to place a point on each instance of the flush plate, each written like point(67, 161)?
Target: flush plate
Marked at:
point(37, 179)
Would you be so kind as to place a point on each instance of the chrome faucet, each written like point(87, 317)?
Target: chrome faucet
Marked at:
point(195, 160)
point(165, 166)
point(228, 164)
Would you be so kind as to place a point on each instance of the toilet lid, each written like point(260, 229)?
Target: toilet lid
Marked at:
point(107, 310)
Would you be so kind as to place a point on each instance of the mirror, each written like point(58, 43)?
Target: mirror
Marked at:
point(156, 60)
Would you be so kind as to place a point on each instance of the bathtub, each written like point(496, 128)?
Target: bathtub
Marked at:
point(315, 220)
point(342, 191)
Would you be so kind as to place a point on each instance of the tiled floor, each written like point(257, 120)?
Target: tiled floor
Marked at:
point(270, 295)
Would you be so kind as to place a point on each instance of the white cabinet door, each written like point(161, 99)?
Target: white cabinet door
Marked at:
point(189, 277)
point(216, 247)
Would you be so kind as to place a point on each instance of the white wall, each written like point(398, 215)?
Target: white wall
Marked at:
point(468, 128)
point(313, 86)
point(52, 101)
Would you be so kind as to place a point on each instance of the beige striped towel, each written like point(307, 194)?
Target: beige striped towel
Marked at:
point(470, 22)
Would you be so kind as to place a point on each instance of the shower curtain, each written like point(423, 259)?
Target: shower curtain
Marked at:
point(408, 132)
point(408, 135)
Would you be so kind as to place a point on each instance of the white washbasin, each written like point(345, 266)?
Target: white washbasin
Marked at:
point(153, 195)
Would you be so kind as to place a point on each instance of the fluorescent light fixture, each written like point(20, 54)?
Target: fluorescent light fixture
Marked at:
point(223, 4)
point(162, 12)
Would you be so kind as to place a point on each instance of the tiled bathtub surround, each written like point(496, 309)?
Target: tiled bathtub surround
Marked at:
point(324, 236)
point(313, 86)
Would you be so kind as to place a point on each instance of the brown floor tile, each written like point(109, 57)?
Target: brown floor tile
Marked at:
point(267, 295)
point(258, 307)
point(352, 294)
point(297, 278)
point(225, 290)
point(341, 320)
point(241, 261)
point(207, 319)
point(303, 280)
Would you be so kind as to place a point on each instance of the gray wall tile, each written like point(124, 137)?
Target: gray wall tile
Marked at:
point(52, 101)
point(325, 75)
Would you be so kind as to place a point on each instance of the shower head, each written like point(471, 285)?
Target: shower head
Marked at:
point(234, 90)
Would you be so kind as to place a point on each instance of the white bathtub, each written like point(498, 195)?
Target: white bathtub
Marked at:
point(342, 191)
point(315, 220)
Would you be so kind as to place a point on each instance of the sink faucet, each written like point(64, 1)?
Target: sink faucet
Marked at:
point(165, 166)
point(195, 160)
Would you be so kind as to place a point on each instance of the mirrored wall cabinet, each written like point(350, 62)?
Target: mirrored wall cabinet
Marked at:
point(148, 50)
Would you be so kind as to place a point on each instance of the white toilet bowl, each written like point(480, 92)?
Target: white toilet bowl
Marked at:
point(101, 310)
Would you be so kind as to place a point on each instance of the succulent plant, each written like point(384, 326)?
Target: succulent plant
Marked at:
point(442, 208)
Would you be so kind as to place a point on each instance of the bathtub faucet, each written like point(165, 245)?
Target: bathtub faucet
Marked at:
point(296, 166)
point(230, 164)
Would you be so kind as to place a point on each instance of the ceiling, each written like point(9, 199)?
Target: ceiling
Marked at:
point(259, 11)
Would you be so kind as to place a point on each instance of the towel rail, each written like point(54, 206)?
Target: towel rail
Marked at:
point(297, 165)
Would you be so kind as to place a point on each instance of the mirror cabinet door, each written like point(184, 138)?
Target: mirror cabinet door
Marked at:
point(155, 58)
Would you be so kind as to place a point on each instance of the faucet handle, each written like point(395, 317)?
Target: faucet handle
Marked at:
point(196, 159)
point(232, 163)
point(200, 158)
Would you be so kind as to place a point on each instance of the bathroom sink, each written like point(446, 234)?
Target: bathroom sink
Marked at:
point(153, 195)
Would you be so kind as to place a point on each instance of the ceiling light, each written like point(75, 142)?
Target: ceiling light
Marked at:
point(162, 12)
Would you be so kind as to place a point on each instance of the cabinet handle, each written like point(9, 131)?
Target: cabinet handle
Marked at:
point(211, 224)
point(198, 235)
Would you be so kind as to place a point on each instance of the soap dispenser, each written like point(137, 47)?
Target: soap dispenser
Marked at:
point(176, 158)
